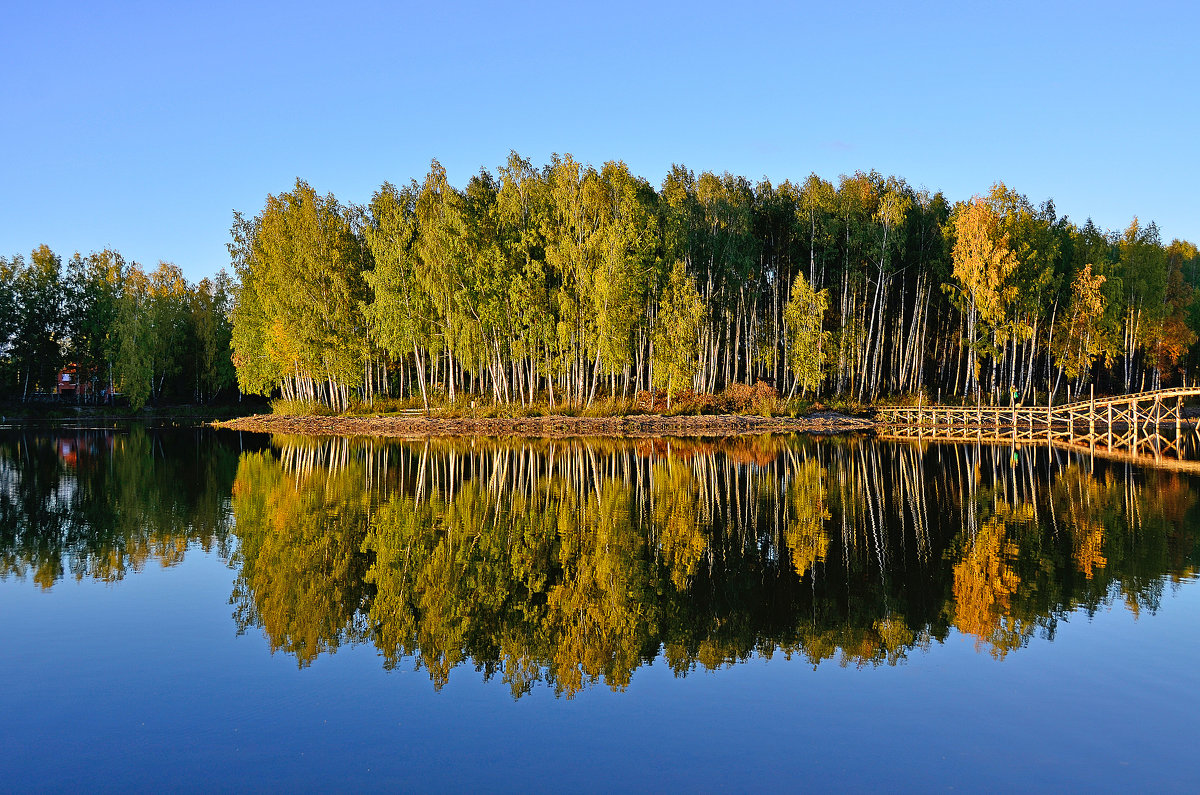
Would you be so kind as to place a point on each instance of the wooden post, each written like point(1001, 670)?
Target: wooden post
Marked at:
point(1049, 416)
point(1110, 426)
point(1179, 427)
point(920, 415)
point(1133, 421)
point(1092, 413)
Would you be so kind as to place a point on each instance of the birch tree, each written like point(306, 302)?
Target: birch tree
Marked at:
point(808, 341)
point(680, 312)
point(983, 263)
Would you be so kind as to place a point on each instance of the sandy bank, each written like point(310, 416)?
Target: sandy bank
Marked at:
point(552, 426)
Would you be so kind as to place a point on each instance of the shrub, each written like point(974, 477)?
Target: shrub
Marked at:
point(653, 401)
point(738, 398)
point(745, 399)
point(761, 398)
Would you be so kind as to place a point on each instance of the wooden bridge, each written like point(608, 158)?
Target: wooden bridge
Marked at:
point(1137, 425)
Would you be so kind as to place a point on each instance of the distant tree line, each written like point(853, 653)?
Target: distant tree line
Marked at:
point(566, 283)
point(146, 335)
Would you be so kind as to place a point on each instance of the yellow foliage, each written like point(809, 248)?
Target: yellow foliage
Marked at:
point(984, 582)
point(1088, 550)
point(983, 261)
point(681, 539)
point(805, 534)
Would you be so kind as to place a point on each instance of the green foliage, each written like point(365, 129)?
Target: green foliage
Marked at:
point(399, 306)
point(299, 319)
point(808, 342)
point(680, 311)
point(569, 284)
point(35, 348)
point(93, 293)
point(573, 284)
point(115, 327)
point(134, 365)
point(209, 304)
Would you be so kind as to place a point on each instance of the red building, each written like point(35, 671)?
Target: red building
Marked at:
point(69, 384)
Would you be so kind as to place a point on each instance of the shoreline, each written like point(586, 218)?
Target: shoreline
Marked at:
point(552, 426)
point(44, 412)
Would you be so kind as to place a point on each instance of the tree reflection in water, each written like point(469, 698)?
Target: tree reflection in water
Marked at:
point(99, 504)
point(574, 562)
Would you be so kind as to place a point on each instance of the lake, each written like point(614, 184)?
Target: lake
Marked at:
point(193, 609)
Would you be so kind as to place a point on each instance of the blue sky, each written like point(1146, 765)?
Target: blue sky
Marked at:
point(142, 126)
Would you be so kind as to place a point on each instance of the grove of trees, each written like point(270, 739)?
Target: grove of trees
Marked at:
point(563, 284)
point(566, 283)
point(146, 335)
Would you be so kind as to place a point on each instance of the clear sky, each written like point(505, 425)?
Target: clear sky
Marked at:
point(142, 126)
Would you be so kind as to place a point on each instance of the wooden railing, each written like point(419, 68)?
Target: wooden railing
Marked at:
point(1155, 408)
point(1135, 424)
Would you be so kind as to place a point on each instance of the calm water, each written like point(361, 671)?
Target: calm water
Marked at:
point(188, 609)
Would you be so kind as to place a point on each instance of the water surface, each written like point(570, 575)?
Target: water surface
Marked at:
point(191, 609)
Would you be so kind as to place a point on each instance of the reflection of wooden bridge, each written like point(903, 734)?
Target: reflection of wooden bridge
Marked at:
point(1131, 427)
point(1153, 450)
